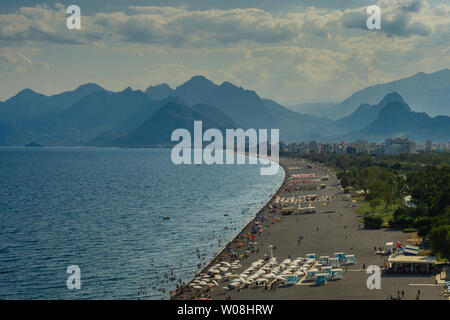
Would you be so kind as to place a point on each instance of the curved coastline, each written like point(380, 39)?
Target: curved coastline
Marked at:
point(240, 232)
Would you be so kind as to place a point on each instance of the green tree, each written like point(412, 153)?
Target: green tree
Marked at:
point(374, 203)
point(440, 240)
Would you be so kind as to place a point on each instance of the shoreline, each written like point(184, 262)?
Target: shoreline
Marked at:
point(240, 232)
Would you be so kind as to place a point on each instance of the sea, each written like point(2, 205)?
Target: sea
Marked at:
point(131, 222)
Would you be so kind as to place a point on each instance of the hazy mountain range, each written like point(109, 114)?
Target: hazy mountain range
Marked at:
point(428, 93)
point(91, 115)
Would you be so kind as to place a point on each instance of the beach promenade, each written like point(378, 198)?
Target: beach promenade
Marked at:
point(334, 228)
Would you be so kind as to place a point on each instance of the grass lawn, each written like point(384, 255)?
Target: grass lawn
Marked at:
point(364, 209)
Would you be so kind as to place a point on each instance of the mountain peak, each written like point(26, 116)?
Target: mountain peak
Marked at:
point(391, 97)
point(89, 86)
point(200, 80)
point(127, 90)
point(159, 92)
point(26, 94)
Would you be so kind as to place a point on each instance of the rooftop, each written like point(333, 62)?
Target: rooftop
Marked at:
point(399, 258)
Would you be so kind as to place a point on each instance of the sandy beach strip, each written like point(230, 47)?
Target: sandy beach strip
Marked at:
point(334, 228)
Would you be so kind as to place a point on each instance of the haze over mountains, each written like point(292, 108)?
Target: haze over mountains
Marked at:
point(91, 115)
point(428, 93)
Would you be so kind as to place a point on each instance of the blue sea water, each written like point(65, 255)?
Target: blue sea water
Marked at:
point(103, 209)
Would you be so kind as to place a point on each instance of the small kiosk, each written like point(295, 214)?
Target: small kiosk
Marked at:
point(324, 260)
point(350, 259)
point(327, 270)
point(340, 256)
point(310, 256)
point(311, 274)
point(337, 274)
point(321, 278)
point(334, 262)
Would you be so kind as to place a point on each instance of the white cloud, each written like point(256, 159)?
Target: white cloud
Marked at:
point(308, 53)
point(18, 59)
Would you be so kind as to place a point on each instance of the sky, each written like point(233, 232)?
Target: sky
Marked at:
point(291, 51)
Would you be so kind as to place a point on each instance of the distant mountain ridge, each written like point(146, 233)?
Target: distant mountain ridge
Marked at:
point(91, 115)
point(426, 92)
point(245, 107)
point(362, 116)
point(396, 119)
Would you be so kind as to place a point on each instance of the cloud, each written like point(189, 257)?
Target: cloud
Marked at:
point(19, 59)
point(179, 27)
point(398, 18)
point(46, 25)
point(305, 53)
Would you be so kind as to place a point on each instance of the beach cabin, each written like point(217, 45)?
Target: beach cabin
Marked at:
point(311, 274)
point(350, 259)
point(292, 279)
point(310, 256)
point(337, 274)
point(340, 256)
point(334, 262)
point(324, 260)
point(321, 278)
point(327, 270)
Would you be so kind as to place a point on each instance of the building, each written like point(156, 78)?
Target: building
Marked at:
point(411, 264)
point(398, 146)
point(429, 146)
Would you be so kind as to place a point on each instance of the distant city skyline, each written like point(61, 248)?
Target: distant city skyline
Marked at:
point(289, 51)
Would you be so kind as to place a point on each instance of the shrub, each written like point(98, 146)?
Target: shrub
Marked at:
point(373, 221)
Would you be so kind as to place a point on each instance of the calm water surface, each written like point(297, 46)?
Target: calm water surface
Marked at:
point(103, 209)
